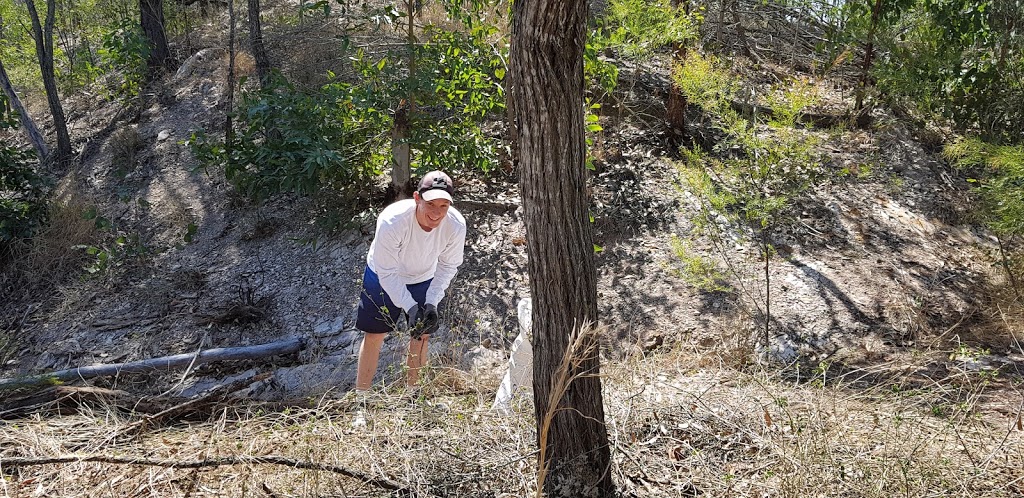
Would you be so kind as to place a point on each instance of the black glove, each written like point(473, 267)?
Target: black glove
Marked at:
point(422, 320)
point(429, 318)
point(414, 315)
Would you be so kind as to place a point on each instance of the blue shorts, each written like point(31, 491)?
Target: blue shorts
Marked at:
point(378, 314)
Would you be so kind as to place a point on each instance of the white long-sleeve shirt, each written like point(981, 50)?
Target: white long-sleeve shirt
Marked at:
point(403, 253)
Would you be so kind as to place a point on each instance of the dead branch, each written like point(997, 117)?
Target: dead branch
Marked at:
point(287, 346)
point(381, 482)
point(497, 207)
point(215, 394)
point(58, 397)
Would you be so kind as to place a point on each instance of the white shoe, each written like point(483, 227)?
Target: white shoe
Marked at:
point(360, 399)
point(359, 420)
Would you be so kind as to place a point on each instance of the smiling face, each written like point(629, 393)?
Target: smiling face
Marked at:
point(430, 214)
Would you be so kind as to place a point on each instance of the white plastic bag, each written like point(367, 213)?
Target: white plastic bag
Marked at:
point(520, 365)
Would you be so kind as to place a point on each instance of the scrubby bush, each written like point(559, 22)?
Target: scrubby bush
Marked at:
point(755, 173)
point(123, 55)
point(960, 60)
point(999, 182)
point(22, 194)
point(291, 140)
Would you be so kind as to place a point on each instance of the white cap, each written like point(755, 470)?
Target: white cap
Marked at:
point(436, 193)
point(435, 185)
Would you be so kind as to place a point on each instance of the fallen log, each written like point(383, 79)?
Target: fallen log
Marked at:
point(287, 346)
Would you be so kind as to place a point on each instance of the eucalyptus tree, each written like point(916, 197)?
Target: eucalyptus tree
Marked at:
point(42, 33)
point(151, 18)
point(546, 68)
point(14, 101)
point(31, 130)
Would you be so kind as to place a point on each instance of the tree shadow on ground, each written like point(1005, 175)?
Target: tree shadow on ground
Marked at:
point(831, 294)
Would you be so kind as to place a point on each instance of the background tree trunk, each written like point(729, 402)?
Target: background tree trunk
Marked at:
point(44, 52)
point(27, 124)
point(228, 126)
point(859, 112)
point(546, 67)
point(151, 13)
point(401, 155)
point(401, 129)
point(676, 105)
point(259, 52)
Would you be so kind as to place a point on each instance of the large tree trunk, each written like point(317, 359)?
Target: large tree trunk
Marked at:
point(259, 52)
point(43, 35)
point(26, 121)
point(151, 13)
point(546, 68)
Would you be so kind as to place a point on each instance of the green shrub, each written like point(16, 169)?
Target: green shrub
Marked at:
point(755, 172)
point(634, 29)
point(290, 140)
point(287, 139)
point(124, 54)
point(115, 247)
point(1000, 188)
point(22, 193)
point(456, 85)
point(637, 28)
point(1000, 181)
point(960, 60)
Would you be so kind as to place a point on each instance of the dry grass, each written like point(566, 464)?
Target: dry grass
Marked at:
point(676, 430)
point(46, 263)
point(125, 146)
point(1001, 325)
point(51, 257)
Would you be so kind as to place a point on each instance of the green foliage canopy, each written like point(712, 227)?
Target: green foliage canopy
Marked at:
point(290, 140)
point(1000, 181)
point(962, 60)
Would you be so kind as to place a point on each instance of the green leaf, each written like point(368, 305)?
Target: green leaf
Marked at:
point(190, 232)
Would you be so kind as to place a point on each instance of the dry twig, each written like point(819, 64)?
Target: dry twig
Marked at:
point(380, 482)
